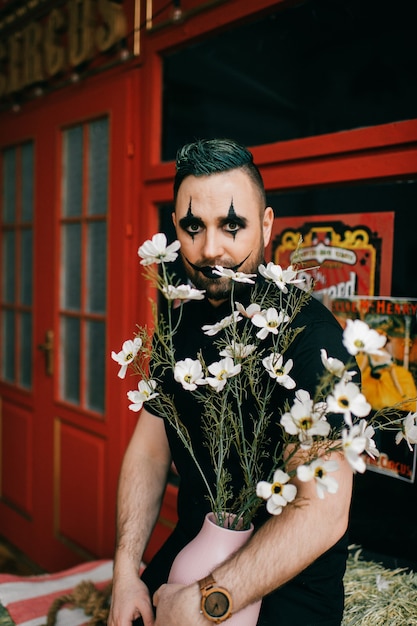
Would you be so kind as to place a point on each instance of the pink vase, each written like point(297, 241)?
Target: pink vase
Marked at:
point(209, 548)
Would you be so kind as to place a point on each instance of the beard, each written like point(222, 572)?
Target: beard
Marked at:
point(216, 287)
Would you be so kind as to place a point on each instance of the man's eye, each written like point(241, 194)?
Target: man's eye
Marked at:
point(193, 228)
point(232, 227)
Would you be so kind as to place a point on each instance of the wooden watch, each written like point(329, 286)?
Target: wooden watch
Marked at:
point(216, 602)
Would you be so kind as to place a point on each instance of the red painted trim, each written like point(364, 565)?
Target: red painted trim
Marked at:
point(197, 24)
point(339, 144)
point(372, 165)
point(352, 150)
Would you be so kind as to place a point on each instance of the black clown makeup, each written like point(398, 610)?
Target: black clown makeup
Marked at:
point(192, 225)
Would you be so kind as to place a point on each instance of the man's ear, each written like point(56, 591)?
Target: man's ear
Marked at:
point(174, 219)
point(267, 223)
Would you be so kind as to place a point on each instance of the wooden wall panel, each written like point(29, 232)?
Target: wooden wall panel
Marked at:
point(79, 488)
point(16, 457)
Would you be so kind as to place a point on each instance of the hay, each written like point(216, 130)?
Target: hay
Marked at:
point(376, 596)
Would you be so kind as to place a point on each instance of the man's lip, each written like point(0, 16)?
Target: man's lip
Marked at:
point(207, 270)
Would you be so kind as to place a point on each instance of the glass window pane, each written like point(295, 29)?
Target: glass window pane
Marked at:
point(98, 167)
point(27, 182)
point(70, 360)
point(25, 374)
point(96, 359)
point(72, 182)
point(9, 185)
point(71, 267)
point(9, 271)
point(26, 267)
point(8, 353)
point(96, 269)
point(313, 67)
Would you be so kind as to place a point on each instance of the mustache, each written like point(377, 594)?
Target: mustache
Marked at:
point(207, 270)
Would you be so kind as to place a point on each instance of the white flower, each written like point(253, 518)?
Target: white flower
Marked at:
point(319, 471)
point(250, 311)
point(268, 321)
point(145, 392)
point(408, 430)
point(277, 493)
point(238, 350)
point(358, 337)
point(306, 419)
point(335, 366)
point(382, 583)
point(238, 277)
point(189, 373)
point(182, 292)
point(213, 329)
point(279, 276)
point(126, 355)
point(222, 370)
point(276, 368)
point(353, 445)
point(347, 399)
point(155, 250)
point(367, 431)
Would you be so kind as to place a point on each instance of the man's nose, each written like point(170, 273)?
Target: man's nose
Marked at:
point(213, 247)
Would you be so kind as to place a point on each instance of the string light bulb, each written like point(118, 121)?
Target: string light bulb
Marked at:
point(177, 13)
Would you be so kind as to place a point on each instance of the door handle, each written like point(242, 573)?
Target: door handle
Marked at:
point(48, 350)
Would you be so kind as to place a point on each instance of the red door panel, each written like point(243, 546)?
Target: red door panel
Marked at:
point(63, 437)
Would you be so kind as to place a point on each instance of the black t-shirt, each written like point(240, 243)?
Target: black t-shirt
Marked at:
point(316, 595)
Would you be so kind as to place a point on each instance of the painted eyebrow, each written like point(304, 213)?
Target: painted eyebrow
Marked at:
point(190, 218)
point(187, 221)
point(231, 216)
point(236, 219)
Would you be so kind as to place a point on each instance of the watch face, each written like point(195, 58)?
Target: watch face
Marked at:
point(216, 604)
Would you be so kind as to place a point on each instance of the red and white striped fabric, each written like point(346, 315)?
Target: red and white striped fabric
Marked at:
point(28, 598)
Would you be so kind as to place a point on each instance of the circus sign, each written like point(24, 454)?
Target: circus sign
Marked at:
point(345, 255)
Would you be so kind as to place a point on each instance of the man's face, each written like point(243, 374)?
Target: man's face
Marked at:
point(220, 221)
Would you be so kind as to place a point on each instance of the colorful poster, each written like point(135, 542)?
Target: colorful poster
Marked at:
point(348, 255)
point(389, 378)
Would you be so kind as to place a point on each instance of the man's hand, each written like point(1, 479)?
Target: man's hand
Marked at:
point(130, 600)
point(142, 482)
point(178, 605)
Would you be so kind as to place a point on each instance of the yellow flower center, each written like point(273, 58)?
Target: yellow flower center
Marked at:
point(319, 472)
point(272, 324)
point(358, 343)
point(305, 423)
point(221, 375)
point(276, 488)
point(343, 401)
point(279, 371)
point(129, 357)
point(188, 378)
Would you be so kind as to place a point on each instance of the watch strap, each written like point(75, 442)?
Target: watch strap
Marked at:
point(207, 586)
point(207, 582)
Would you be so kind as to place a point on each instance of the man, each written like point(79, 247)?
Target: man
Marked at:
point(294, 561)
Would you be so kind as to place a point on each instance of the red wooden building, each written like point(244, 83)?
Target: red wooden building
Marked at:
point(95, 98)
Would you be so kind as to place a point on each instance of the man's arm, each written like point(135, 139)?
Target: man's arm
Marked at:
point(280, 550)
point(141, 488)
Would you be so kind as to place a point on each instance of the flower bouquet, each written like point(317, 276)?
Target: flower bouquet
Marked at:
point(253, 344)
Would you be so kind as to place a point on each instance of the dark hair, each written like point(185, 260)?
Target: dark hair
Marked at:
point(211, 156)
